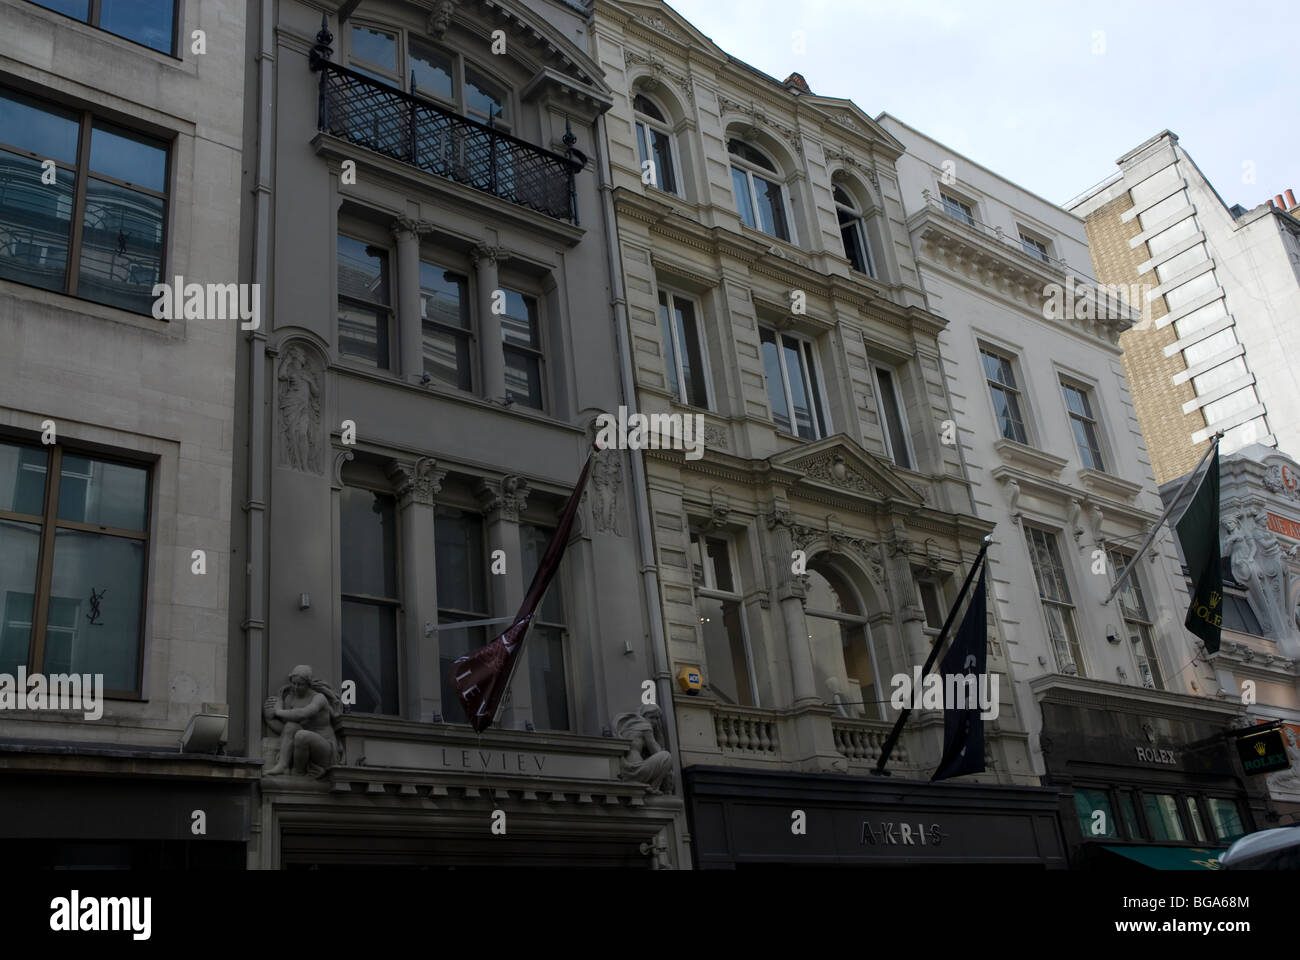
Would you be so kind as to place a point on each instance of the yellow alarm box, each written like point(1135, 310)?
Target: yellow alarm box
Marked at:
point(689, 678)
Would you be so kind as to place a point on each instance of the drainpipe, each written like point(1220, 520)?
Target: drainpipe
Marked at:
point(640, 495)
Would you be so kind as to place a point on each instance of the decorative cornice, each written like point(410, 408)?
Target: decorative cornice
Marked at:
point(658, 70)
point(760, 118)
point(1104, 483)
point(1032, 458)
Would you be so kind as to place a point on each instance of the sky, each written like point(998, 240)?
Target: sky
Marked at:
point(1049, 93)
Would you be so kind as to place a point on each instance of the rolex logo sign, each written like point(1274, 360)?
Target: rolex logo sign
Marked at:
point(1262, 752)
point(1261, 749)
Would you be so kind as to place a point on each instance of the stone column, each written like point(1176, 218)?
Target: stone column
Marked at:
point(417, 484)
point(491, 359)
point(410, 329)
point(501, 501)
point(791, 593)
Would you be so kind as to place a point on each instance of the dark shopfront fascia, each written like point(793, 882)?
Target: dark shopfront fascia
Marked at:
point(742, 817)
point(1148, 779)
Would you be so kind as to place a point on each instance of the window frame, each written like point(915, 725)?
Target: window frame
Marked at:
point(460, 615)
point(904, 429)
point(396, 604)
point(856, 619)
point(1138, 617)
point(527, 290)
point(776, 177)
point(858, 223)
point(468, 333)
point(94, 11)
point(965, 209)
point(709, 590)
point(1017, 391)
point(1073, 638)
point(641, 121)
point(388, 368)
point(50, 524)
point(672, 296)
point(557, 584)
point(923, 580)
point(1034, 245)
point(808, 349)
point(1100, 452)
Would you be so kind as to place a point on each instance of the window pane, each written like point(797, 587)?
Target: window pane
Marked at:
point(19, 547)
point(367, 543)
point(854, 247)
point(803, 416)
point(447, 357)
point(482, 96)
point(121, 246)
point(144, 21)
point(724, 650)
point(663, 151)
point(893, 418)
point(453, 644)
point(855, 647)
point(775, 381)
point(532, 542)
point(693, 370)
point(670, 352)
point(1007, 410)
point(38, 128)
point(374, 45)
point(432, 70)
point(1129, 811)
point(363, 335)
point(771, 208)
point(547, 680)
point(35, 221)
point(22, 479)
point(137, 160)
point(930, 603)
point(1162, 817)
point(1194, 815)
point(458, 539)
point(642, 150)
point(97, 633)
point(641, 105)
point(1226, 818)
point(73, 8)
point(1087, 803)
point(744, 202)
point(519, 322)
point(524, 378)
point(103, 493)
point(718, 558)
point(363, 270)
point(370, 655)
point(1085, 438)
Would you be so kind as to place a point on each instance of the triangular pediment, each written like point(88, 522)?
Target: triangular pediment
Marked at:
point(668, 23)
point(840, 463)
point(849, 115)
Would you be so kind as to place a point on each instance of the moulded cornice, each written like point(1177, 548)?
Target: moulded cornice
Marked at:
point(1097, 481)
point(1125, 698)
point(1030, 457)
point(1060, 493)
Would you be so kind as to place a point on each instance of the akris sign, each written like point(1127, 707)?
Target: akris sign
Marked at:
point(888, 832)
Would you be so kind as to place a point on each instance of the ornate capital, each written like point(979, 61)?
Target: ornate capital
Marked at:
point(410, 226)
point(419, 483)
point(509, 496)
point(487, 255)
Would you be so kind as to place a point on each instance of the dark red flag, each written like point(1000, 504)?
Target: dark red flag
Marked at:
point(481, 677)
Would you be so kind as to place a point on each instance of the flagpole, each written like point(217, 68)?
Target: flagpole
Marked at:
point(1155, 527)
point(894, 734)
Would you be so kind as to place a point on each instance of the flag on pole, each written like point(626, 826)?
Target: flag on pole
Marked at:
point(1198, 532)
point(963, 668)
point(482, 677)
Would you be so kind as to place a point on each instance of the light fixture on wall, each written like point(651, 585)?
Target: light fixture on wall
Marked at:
point(1112, 635)
point(206, 732)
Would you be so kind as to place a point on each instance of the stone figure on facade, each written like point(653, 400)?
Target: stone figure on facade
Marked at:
point(646, 761)
point(305, 715)
point(299, 404)
point(606, 484)
point(1260, 565)
point(1287, 781)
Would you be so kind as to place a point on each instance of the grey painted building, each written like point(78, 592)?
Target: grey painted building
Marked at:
point(411, 418)
point(120, 142)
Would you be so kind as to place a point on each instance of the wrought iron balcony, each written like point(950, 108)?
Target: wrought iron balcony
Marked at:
point(439, 141)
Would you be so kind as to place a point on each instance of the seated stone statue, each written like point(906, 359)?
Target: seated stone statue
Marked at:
point(646, 761)
point(305, 715)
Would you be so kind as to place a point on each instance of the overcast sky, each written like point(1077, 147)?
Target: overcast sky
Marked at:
point(1016, 86)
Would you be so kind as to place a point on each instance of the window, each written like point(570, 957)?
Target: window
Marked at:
point(892, 420)
point(958, 208)
point(1128, 810)
point(147, 22)
point(1084, 424)
point(932, 603)
point(547, 678)
point(760, 200)
point(654, 141)
point(97, 232)
point(444, 317)
point(1238, 615)
point(1137, 620)
point(1054, 594)
point(684, 354)
point(462, 594)
point(853, 232)
point(1162, 817)
point(841, 641)
point(792, 385)
point(722, 622)
point(1194, 818)
point(1034, 247)
point(370, 595)
point(521, 331)
point(365, 302)
point(1001, 377)
point(1087, 802)
point(74, 538)
point(1226, 819)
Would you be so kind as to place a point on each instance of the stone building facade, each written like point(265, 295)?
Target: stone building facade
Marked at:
point(120, 140)
point(426, 213)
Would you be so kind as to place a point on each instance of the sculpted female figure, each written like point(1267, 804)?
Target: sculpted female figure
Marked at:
point(304, 715)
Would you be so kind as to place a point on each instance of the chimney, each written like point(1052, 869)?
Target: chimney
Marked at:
point(1290, 200)
point(797, 81)
point(1277, 202)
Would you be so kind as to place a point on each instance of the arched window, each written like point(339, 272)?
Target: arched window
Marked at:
point(841, 641)
point(761, 199)
point(853, 231)
point(654, 142)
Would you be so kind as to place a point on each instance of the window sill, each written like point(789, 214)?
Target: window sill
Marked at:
point(1098, 481)
point(64, 303)
point(1031, 457)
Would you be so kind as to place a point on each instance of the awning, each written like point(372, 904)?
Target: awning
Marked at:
point(1171, 858)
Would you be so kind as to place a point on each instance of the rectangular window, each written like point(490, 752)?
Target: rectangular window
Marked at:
point(521, 331)
point(1001, 377)
point(931, 603)
point(1090, 801)
point(365, 302)
point(1194, 818)
point(548, 680)
point(1054, 594)
point(1034, 247)
point(1084, 424)
point(793, 385)
point(1226, 818)
point(444, 315)
point(744, 202)
point(1137, 620)
point(97, 232)
point(684, 354)
point(892, 420)
point(1128, 810)
point(1238, 615)
point(656, 148)
point(74, 538)
point(728, 657)
point(1162, 817)
point(147, 22)
point(371, 597)
point(462, 595)
point(958, 208)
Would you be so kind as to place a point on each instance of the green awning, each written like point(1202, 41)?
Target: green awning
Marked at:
point(1171, 858)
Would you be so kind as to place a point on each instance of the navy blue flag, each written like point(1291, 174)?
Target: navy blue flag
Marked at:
point(963, 667)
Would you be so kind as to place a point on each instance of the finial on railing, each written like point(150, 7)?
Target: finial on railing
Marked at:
point(321, 51)
point(569, 138)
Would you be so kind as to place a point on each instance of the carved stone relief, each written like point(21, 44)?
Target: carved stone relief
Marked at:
point(300, 383)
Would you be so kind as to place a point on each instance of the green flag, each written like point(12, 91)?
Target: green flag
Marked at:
point(1198, 532)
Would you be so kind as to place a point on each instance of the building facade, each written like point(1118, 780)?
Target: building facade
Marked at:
point(1223, 285)
point(1055, 458)
point(425, 210)
point(120, 138)
point(808, 556)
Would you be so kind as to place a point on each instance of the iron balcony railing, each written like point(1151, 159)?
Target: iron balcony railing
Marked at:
point(993, 233)
point(409, 128)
